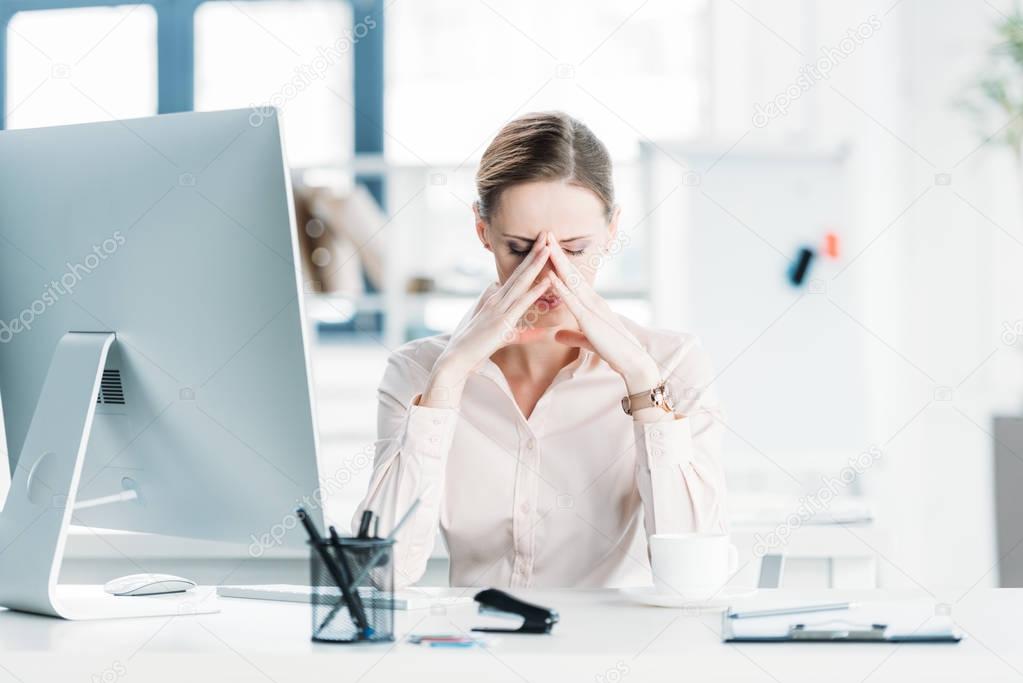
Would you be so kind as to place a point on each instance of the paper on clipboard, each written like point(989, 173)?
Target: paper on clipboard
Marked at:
point(892, 621)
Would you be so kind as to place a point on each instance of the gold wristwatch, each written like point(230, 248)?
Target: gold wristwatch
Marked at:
point(658, 396)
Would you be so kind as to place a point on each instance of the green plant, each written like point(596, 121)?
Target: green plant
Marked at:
point(1001, 87)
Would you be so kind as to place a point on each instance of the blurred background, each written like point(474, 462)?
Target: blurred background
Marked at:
point(828, 194)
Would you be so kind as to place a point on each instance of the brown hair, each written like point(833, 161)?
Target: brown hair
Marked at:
point(548, 145)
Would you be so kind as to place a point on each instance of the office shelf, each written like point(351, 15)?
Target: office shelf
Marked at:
point(429, 235)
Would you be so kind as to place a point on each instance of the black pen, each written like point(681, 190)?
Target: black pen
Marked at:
point(367, 517)
point(390, 537)
point(803, 609)
point(353, 598)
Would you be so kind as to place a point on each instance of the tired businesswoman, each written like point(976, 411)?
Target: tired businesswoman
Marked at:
point(512, 429)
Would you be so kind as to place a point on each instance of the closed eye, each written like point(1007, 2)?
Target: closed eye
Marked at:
point(521, 253)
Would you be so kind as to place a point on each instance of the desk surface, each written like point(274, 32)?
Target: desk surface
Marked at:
point(601, 637)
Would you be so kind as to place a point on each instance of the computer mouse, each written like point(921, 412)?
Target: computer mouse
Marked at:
point(148, 584)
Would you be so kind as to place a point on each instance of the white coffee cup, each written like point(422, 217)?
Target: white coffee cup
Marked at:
point(694, 566)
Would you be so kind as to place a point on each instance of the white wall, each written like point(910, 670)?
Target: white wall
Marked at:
point(951, 304)
point(934, 277)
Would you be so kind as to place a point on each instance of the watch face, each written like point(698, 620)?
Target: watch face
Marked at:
point(662, 399)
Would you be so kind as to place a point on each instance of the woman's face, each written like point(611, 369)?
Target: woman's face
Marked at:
point(578, 220)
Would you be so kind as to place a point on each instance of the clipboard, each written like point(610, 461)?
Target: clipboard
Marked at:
point(906, 623)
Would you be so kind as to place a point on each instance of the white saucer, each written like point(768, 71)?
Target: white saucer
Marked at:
point(649, 595)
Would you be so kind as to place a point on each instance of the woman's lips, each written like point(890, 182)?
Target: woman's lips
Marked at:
point(550, 300)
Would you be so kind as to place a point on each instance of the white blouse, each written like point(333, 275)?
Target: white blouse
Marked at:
point(564, 498)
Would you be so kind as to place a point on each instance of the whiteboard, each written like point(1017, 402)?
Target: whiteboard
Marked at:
point(790, 361)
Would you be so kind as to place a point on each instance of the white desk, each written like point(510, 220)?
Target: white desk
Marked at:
point(600, 638)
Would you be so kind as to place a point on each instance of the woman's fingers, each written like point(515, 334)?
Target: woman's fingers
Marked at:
point(536, 253)
point(569, 274)
point(520, 280)
point(573, 338)
point(519, 307)
point(491, 295)
point(531, 334)
point(601, 332)
point(514, 331)
point(565, 293)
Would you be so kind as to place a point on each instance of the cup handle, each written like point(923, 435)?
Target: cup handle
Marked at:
point(733, 558)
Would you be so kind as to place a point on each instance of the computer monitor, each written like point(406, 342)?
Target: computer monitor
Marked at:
point(154, 369)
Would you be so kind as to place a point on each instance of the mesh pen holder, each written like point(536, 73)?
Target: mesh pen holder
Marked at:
point(336, 621)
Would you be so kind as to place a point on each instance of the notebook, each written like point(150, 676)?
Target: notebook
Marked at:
point(902, 621)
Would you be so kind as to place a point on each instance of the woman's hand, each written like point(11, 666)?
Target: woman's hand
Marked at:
point(600, 329)
point(494, 324)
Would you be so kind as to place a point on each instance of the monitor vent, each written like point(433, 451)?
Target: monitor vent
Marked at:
point(111, 391)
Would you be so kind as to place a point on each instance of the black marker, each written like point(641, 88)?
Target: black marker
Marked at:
point(352, 598)
point(799, 267)
point(367, 517)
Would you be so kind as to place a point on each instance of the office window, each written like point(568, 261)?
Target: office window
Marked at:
point(76, 65)
point(294, 55)
point(458, 70)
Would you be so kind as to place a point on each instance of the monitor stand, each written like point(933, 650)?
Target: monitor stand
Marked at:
point(34, 522)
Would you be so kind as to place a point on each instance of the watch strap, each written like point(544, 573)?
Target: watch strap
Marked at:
point(657, 396)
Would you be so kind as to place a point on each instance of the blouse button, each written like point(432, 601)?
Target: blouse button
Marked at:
point(434, 439)
point(525, 508)
point(656, 433)
point(436, 420)
point(531, 444)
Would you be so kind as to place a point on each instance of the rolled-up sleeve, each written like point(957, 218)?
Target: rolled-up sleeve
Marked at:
point(410, 457)
point(678, 465)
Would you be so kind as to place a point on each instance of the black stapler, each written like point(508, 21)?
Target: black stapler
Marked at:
point(496, 602)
